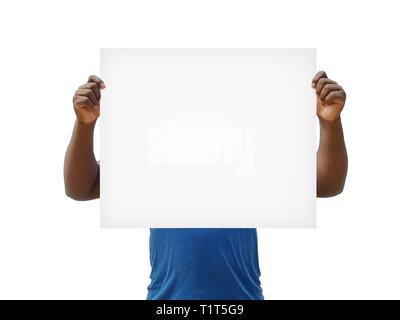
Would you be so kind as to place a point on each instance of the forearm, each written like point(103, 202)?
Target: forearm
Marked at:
point(331, 159)
point(81, 170)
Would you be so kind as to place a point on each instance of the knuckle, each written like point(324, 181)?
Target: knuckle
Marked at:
point(320, 75)
point(321, 84)
point(323, 81)
point(79, 101)
point(327, 81)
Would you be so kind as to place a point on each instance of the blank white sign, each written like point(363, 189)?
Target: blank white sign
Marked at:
point(208, 138)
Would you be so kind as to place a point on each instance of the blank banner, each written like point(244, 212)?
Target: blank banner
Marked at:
point(208, 138)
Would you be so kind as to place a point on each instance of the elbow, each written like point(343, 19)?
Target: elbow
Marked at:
point(75, 196)
point(78, 190)
point(329, 192)
point(330, 185)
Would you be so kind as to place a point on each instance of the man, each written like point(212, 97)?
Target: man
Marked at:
point(214, 264)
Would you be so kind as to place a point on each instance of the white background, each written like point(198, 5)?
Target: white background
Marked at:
point(52, 247)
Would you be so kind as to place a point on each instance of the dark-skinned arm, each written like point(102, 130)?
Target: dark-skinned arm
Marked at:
point(81, 170)
point(332, 154)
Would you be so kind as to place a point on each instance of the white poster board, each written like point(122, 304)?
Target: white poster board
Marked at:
point(208, 138)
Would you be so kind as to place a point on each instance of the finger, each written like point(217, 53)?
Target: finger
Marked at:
point(328, 88)
point(318, 75)
point(323, 82)
point(335, 95)
point(97, 80)
point(94, 87)
point(87, 93)
point(82, 101)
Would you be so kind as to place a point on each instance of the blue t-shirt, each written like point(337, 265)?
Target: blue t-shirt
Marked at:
point(204, 263)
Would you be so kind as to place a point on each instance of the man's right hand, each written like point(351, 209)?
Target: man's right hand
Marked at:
point(87, 100)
